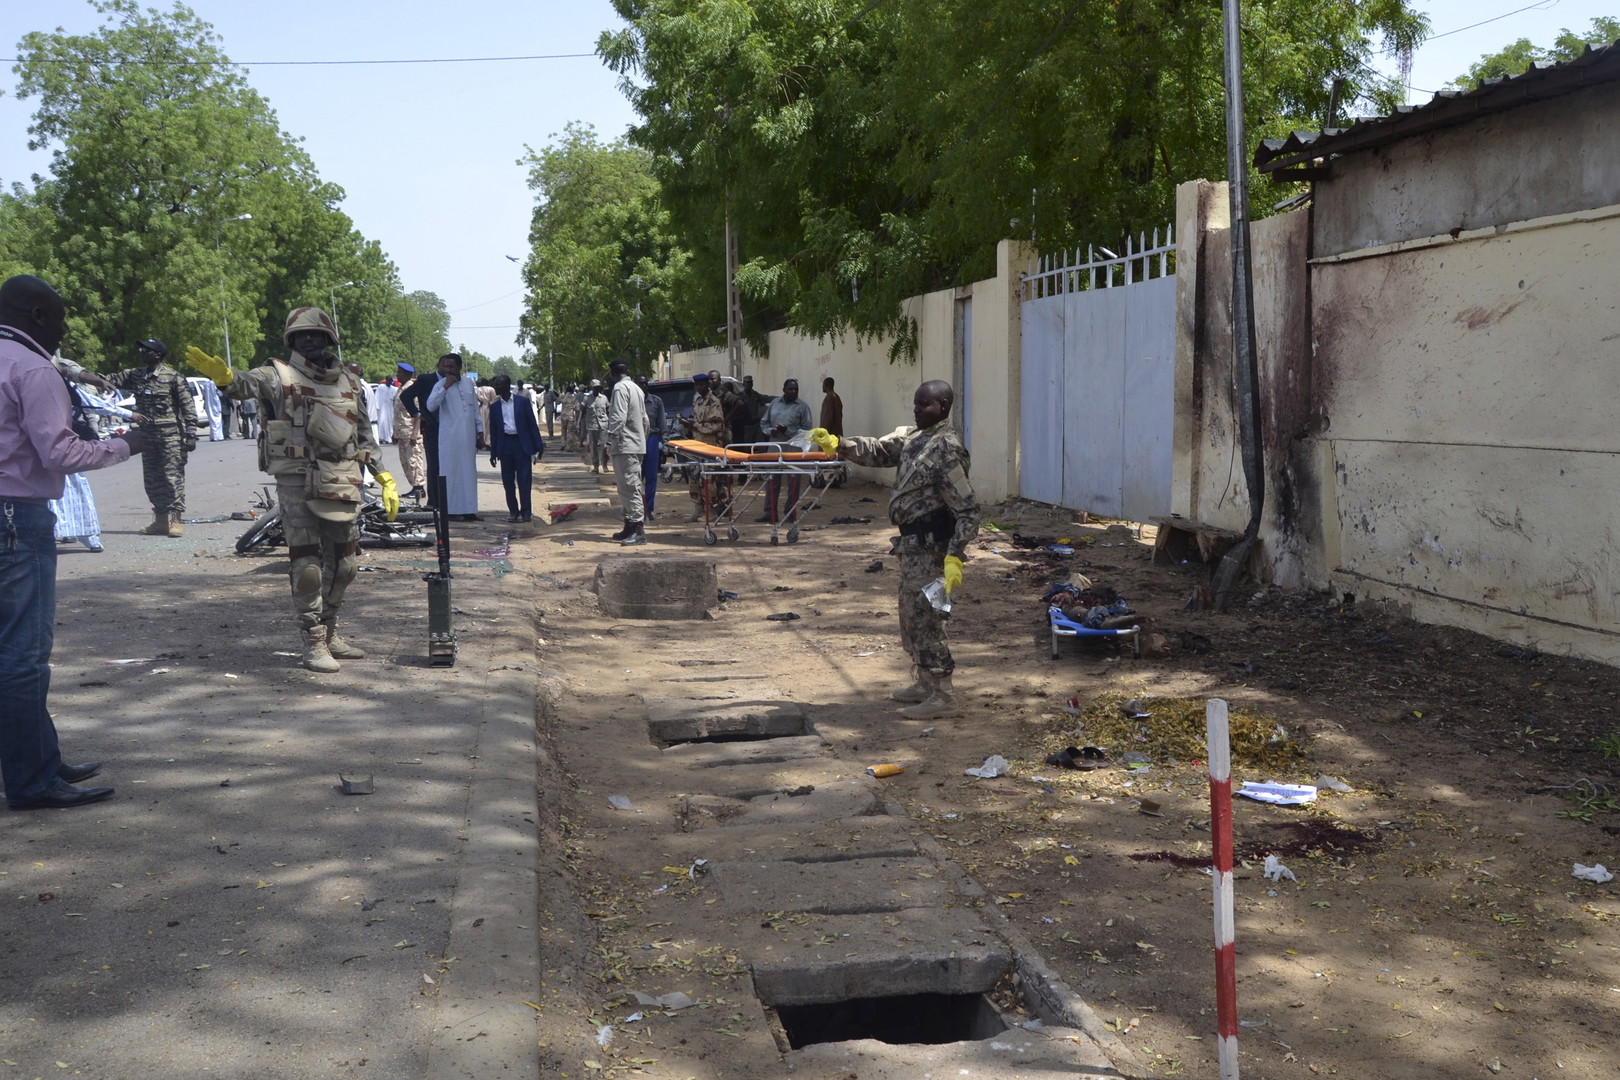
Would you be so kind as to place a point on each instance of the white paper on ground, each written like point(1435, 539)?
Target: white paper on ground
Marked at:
point(1597, 873)
point(994, 765)
point(1279, 794)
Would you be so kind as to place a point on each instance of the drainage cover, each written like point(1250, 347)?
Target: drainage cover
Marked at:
point(905, 1020)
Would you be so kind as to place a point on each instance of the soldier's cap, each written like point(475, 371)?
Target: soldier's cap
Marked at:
point(702, 376)
point(451, 356)
point(596, 382)
point(406, 367)
point(155, 346)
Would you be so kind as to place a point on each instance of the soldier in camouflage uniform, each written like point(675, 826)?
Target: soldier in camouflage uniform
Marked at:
point(316, 440)
point(168, 419)
point(706, 424)
point(932, 504)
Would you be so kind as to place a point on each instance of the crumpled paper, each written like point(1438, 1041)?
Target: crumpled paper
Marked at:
point(1597, 873)
point(994, 765)
point(1276, 871)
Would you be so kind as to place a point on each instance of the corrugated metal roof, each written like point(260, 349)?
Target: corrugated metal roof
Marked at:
point(1447, 108)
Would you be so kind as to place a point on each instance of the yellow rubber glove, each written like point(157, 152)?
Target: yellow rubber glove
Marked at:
point(212, 367)
point(953, 573)
point(390, 495)
point(826, 440)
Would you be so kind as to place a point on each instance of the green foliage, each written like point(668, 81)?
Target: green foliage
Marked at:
point(1608, 745)
point(1516, 58)
point(869, 152)
point(604, 277)
point(176, 207)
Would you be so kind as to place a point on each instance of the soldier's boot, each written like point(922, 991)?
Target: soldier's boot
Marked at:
point(912, 693)
point(939, 702)
point(317, 657)
point(173, 528)
point(638, 534)
point(159, 526)
point(340, 649)
point(624, 532)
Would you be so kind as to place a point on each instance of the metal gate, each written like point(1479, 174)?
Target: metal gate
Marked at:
point(1098, 380)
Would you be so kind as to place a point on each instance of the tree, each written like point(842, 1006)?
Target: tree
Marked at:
point(604, 277)
point(868, 152)
point(176, 206)
point(1516, 58)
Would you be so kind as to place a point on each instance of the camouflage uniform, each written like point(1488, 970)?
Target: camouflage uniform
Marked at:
point(708, 425)
point(317, 479)
point(932, 504)
point(408, 437)
point(162, 396)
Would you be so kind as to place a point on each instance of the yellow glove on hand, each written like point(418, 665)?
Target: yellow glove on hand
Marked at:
point(390, 495)
point(953, 573)
point(212, 367)
point(826, 440)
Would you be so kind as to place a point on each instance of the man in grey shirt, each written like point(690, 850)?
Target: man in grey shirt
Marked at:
point(784, 419)
point(625, 434)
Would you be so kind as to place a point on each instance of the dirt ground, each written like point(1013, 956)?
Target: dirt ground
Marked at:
point(1435, 927)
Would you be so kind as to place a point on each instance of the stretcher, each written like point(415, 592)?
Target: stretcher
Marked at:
point(1063, 626)
point(734, 477)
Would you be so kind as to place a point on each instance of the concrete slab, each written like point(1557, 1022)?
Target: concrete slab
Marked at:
point(763, 752)
point(700, 720)
point(829, 802)
point(656, 587)
point(844, 957)
point(1014, 1055)
point(842, 887)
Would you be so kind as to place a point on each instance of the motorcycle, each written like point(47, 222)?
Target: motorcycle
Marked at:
point(409, 527)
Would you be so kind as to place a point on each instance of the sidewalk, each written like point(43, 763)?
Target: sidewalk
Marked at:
point(229, 912)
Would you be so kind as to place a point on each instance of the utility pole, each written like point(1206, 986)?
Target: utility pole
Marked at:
point(733, 298)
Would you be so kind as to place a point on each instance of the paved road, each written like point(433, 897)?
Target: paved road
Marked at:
point(229, 912)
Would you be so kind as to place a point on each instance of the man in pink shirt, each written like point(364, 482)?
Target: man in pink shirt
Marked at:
point(38, 449)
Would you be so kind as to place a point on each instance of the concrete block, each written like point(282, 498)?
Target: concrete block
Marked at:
point(707, 720)
point(842, 887)
point(762, 752)
point(659, 587)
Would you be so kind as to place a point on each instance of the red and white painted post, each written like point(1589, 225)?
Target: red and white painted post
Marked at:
point(1218, 737)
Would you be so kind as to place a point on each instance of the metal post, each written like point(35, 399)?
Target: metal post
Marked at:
point(1243, 347)
point(224, 316)
point(733, 299)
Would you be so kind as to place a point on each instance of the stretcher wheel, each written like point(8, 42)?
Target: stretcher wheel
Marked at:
point(793, 535)
point(774, 541)
point(731, 533)
point(709, 537)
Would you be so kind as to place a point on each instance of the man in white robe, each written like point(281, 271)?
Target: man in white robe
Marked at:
point(386, 392)
point(461, 436)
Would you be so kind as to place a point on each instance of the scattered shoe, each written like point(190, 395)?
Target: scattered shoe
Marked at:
point(91, 542)
point(514, 519)
point(63, 795)
point(75, 774)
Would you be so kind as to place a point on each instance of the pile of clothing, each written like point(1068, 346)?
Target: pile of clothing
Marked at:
point(1093, 606)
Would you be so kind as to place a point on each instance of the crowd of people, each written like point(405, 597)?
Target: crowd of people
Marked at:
point(320, 430)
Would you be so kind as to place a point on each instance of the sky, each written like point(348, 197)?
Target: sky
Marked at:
point(427, 153)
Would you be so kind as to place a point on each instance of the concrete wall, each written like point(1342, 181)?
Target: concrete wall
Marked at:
point(1468, 387)
point(1553, 157)
point(1207, 484)
point(877, 394)
point(1439, 340)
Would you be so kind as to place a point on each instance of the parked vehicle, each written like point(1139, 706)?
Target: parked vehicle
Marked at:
point(677, 394)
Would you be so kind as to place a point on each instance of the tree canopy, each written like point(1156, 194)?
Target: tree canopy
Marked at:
point(868, 151)
point(1516, 58)
point(604, 277)
point(176, 206)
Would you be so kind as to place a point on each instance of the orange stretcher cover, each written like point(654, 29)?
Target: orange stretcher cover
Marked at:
point(720, 453)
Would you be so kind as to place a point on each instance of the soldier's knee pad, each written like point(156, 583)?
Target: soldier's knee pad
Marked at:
point(306, 575)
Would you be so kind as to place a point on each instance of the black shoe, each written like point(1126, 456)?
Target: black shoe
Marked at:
point(515, 519)
point(763, 518)
point(61, 796)
point(628, 530)
point(637, 535)
point(74, 774)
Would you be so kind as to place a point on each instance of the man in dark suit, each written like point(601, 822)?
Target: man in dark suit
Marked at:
point(414, 401)
point(514, 441)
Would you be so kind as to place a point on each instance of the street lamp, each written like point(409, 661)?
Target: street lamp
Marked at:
point(332, 292)
point(224, 317)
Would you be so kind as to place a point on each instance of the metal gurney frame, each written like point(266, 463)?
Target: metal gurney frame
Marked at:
point(744, 471)
point(1063, 626)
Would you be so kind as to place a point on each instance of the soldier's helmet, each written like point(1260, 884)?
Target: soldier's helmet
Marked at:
point(154, 345)
point(308, 318)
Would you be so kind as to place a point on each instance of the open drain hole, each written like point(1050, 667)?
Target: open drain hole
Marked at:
point(906, 1020)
